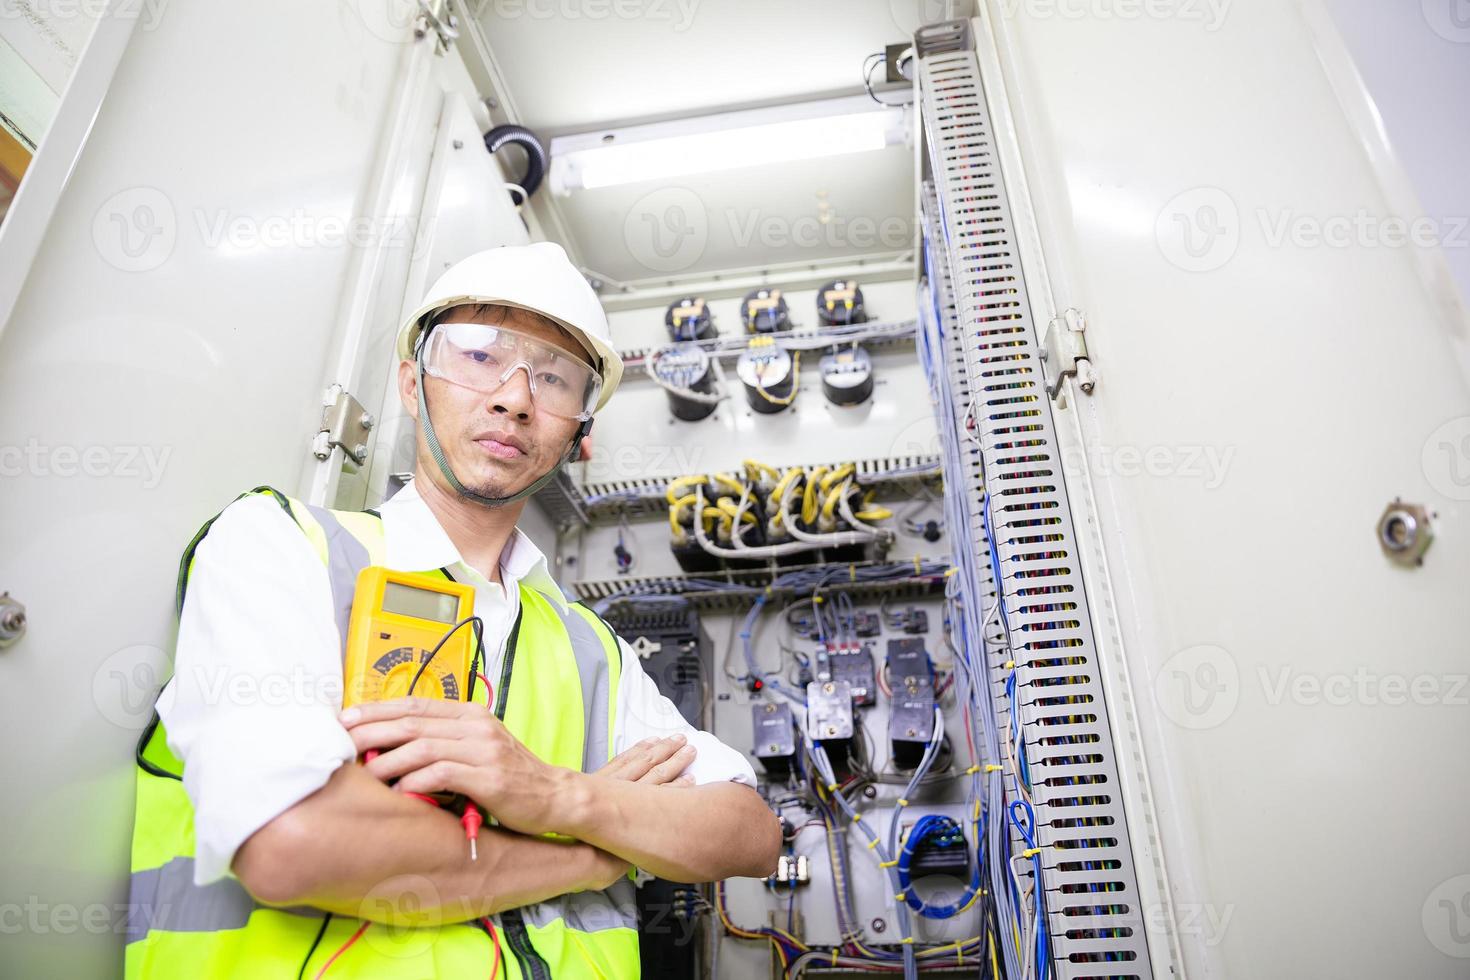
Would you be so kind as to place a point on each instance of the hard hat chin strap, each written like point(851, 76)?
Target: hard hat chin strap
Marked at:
point(438, 453)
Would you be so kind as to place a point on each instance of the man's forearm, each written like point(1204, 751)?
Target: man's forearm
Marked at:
point(357, 848)
point(699, 833)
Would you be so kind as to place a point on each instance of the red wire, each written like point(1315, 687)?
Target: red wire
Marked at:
point(495, 935)
point(355, 936)
point(489, 691)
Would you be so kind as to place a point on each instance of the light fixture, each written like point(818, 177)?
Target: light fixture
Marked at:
point(727, 141)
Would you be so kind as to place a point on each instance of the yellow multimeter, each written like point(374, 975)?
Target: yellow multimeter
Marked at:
point(398, 618)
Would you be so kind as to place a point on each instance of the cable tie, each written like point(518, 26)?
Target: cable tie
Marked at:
point(852, 572)
point(831, 787)
point(902, 801)
point(1009, 665)
point(908, 940)
point(888, 864)
point(916, 565)
point(972, 770)
point(900, 895)
point(993, 767)
point(952, 570)
point(1031, 852)
point(872, 843)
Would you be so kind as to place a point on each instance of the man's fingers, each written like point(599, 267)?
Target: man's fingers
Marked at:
point(635, 761)
point(396, 731)
point(422, 752)
point(668, 770)
point(625, 759)
point(443, 776)
point(684, 780)
point(406, 708)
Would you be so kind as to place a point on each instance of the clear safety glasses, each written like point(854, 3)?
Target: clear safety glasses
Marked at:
point(483, 358)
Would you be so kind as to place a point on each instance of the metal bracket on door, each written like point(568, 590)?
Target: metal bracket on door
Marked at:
point(1064, 353)
point(437, 16)
point(345, 426)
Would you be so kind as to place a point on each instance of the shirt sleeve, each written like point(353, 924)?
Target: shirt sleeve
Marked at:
point(252, 706)
point(643, 712)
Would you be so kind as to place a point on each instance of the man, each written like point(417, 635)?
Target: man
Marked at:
point(263, 849)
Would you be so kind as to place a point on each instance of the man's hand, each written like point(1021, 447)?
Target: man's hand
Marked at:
point(433, 746)
point(657, 761)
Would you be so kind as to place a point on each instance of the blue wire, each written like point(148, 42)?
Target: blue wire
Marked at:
point(1016, 730)
point(925, 827)
point(1025, 824)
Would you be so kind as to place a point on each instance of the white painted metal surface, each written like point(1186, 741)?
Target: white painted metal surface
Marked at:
point(187, 305)
point(1273, 373)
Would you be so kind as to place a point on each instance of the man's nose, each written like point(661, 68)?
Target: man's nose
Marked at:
point(514, 396)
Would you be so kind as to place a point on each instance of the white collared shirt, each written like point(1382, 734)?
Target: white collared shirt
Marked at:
point(252, 707)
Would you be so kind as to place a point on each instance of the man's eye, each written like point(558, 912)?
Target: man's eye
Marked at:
point(555, 380)
point(481, 357)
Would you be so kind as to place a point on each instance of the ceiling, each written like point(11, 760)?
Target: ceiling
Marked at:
point(572, 66)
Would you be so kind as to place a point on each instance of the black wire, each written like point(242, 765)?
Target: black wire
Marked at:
point(314, 944)
point(868, 65)
point(479, 628)
point(479, 657)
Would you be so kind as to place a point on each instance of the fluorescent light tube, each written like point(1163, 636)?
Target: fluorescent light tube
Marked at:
point(662, 151)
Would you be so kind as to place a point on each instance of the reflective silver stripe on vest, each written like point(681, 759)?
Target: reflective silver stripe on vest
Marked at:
point(166, 898)
point(346, 556)
point(592, 669)
point(614, 908)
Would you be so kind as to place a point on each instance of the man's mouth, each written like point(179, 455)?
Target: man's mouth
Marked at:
point(501, 447)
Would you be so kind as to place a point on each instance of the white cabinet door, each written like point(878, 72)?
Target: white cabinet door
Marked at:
point(219, 254)
point(1276, 367)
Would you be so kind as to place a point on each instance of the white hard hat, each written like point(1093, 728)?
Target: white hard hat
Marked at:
point(537, 277)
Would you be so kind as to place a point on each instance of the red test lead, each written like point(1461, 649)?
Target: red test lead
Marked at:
point(472, 822)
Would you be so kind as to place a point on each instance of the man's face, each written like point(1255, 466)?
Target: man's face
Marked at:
point(497, 444)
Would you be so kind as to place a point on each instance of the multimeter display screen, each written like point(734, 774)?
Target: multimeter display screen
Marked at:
point(405, 600)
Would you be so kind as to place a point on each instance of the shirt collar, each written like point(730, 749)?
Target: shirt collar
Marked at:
point(413, 540)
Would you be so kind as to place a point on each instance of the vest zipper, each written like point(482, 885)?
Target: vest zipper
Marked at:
point(511, 920)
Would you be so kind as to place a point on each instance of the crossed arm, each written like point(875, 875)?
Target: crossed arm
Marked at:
point(404, 860)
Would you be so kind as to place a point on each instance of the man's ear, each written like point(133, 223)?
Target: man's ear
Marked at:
point(585, 453)
point(408, 388)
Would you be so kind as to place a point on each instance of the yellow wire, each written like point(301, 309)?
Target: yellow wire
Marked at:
point(840, 473)
point(726, 480)
point(829, 506)
point(795, 383)
point(672, 493)
point(809, 495)
point(756, 469)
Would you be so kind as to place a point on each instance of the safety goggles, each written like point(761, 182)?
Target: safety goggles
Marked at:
point(483, 358)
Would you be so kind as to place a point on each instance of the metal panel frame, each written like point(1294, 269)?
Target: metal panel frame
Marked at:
point(1093, 907)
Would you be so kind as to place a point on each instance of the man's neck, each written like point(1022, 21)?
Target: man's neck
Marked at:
point(478, 532)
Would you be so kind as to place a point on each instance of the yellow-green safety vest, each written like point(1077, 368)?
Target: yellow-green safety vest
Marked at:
point(181, 931)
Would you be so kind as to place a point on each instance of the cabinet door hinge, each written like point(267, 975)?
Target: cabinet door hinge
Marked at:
point(345, 426)
point(437, 17)
point(1064, 353)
